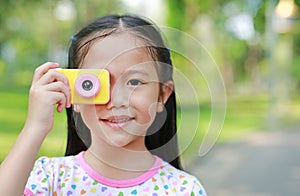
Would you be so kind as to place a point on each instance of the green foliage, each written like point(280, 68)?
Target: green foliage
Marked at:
point(295, 72)
point(244, 115)
point(31, 34)
point(176, 14)
point(13, 114)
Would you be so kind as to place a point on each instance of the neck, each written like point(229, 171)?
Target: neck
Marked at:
point(118, 162)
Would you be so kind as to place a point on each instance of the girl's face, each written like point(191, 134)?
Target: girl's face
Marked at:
point(135, 92)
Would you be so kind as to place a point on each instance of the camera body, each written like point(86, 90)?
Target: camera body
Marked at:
point(88, 86)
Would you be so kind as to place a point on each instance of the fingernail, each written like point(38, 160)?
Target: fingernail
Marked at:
point(59, 109)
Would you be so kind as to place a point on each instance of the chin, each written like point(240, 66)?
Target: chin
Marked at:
point(120, 141)
point(134, 143)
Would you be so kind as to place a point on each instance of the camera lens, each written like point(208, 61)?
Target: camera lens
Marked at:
point(87, 85)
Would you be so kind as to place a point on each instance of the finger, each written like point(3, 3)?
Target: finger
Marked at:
point(53, 76)
point(60, 107)
point(44, 68)
point(59, 99)
point(60, 87)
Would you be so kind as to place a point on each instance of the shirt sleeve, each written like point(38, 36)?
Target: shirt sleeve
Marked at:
point(40, 178)
point(198, 189)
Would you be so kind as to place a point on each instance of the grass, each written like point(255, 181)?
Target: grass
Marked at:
point(243, 116)
point(13, 112)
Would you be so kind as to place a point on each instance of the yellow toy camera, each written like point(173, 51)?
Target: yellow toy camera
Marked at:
point(88, 86)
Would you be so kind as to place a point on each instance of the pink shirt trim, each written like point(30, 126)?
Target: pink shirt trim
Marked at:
point(28, 192)
point(119, 183)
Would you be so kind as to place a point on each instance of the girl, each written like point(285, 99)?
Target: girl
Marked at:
point(127, 146)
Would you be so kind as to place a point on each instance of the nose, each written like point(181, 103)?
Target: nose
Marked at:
point(118, 96)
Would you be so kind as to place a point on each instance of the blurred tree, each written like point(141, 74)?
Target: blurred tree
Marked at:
point(23, 38)
point(33, 32)
point(176, 17)
point(233, 31)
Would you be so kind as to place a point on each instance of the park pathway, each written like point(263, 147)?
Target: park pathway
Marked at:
point(263, 164)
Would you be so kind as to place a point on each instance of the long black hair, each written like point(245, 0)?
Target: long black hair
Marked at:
point(161, 139)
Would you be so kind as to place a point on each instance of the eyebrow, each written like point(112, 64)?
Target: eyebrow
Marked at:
point(137, 71)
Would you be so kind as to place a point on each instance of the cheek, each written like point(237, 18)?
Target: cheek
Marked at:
point(89, 117)
point(144, 104)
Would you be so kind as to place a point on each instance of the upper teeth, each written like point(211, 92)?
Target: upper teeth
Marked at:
point(119, 120)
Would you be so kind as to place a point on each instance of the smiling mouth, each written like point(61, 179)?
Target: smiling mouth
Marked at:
point(122, 120)
point(117, 122)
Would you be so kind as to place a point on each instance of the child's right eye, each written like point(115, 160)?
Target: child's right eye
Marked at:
point(134, 82)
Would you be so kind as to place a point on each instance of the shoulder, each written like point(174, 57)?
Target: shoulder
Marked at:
point(51, 167)
point(171, 172)
point(180, 180)
point(48, 172)
point(54, 167)
point(53, 162)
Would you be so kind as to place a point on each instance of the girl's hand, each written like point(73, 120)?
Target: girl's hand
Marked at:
point(48, 88)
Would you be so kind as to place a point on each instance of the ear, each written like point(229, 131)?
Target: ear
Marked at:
point(166, 90)
point(76, 108)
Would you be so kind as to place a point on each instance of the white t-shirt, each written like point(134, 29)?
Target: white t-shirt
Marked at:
point(71, 175)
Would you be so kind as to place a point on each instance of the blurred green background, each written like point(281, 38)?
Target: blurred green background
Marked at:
point(255, 43)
